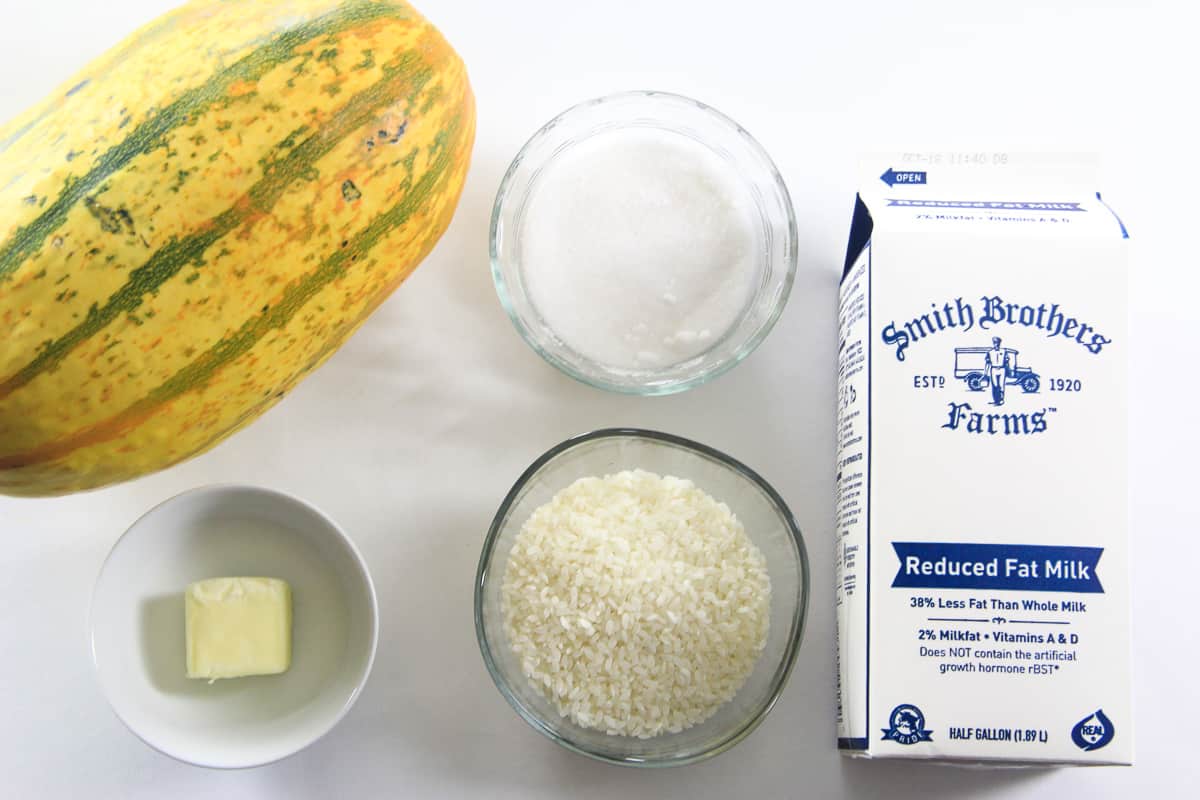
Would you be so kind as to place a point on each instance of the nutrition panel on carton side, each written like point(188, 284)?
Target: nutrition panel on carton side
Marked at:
point(851, 486)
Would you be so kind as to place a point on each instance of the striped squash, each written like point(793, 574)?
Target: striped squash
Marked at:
point(203, 215)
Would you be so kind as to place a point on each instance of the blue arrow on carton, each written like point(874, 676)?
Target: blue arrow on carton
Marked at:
point(892, 177)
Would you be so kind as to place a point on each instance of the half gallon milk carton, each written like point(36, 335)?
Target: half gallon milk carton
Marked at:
point(982, 537)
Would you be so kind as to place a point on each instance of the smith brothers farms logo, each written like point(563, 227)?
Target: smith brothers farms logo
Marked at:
point(993, 368)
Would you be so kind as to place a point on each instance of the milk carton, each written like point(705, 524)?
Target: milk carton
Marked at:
point(982, 538)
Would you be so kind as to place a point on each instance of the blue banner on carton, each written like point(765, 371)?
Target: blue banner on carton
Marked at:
point(1014, 567)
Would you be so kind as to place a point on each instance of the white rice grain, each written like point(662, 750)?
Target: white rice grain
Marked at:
point(636, 603)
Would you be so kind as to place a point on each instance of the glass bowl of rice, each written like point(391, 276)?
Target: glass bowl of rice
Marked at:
point(641, 598)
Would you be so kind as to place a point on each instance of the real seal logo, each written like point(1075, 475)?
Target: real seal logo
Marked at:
point(1093, 731)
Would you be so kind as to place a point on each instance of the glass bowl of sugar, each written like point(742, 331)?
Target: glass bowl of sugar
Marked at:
point(643, 243)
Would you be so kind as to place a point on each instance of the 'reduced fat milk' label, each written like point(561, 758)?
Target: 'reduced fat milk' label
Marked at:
point(982, 530)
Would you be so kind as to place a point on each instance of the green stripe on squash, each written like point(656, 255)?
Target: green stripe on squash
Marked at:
point(294, 297)
point(120, 361)
point(151, 133)
point(167, 262)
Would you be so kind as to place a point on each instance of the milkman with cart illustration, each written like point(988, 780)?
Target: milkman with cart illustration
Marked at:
point(996, 363)
point(994, 368)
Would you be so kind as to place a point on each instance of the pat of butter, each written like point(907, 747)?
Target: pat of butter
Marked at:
point(238, 627)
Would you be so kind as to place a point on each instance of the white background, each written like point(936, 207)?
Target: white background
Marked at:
point(411, 435)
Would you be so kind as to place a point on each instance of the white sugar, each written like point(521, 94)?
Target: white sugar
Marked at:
point(639, 248)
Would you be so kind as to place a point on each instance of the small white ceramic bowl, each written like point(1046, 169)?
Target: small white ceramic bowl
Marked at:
point(137, 627)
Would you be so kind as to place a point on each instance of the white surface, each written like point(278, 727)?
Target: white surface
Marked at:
point(138, 639)
point(411, 435)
